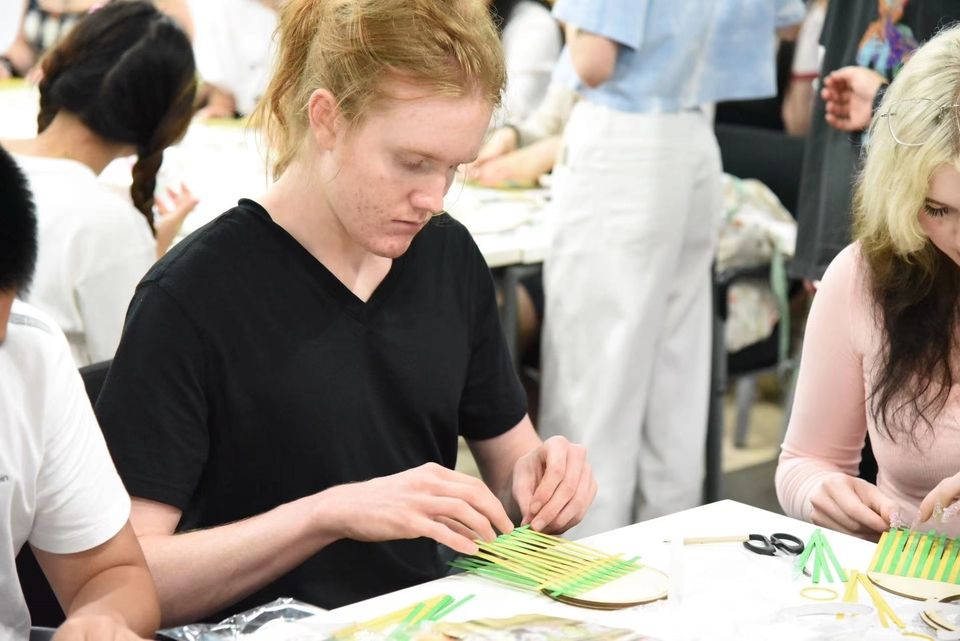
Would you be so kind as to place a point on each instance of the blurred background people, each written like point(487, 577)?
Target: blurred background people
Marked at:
point(121, 83)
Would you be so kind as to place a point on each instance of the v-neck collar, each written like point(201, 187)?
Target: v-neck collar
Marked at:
point(361, 310)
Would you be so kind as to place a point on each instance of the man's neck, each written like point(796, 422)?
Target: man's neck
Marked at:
point(306, 216)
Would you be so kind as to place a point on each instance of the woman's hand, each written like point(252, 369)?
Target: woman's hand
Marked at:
point(502, 141)
point(170, 216)
point(944, 495)
point(851, 505)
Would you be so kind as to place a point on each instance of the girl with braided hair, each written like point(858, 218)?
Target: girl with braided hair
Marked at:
point(121, 83)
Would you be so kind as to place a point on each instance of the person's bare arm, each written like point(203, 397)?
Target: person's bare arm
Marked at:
point(198, 573)
point(107, 588)
point(594, 57)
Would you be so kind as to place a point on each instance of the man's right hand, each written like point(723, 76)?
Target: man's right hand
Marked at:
point(427, 501)
point(851, 505)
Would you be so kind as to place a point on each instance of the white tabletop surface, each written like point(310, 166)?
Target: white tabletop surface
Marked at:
point(719, 591)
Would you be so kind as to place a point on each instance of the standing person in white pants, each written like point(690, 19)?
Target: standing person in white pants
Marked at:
point(636, 204)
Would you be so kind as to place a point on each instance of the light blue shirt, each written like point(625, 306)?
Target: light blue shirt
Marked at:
point(681, 54)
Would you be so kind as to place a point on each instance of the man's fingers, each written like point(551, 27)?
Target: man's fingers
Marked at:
point(444, 535)
point(524, 483)
point(574, 510)
point(458, 527)
point(566, 490)
point(442, 482)
point(464, 513)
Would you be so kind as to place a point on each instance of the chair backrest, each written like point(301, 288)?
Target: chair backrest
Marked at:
point(93, 378)
point(44, 608)
point(41, 634)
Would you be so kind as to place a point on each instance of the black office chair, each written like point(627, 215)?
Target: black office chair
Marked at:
point(41, 634)
point(775, 159)
point(44, 608)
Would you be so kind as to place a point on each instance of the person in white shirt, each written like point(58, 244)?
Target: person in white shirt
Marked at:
point(121, 83)
point(234, 48)
point(531, 41)
point(59, 490)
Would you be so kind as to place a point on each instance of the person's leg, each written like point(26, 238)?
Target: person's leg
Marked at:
point(671, 461)
point(606, 280)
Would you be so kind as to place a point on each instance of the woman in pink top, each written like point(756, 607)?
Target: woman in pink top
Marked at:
point(880, 353)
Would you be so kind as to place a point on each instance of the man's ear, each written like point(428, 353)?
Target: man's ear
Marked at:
point(323, 112)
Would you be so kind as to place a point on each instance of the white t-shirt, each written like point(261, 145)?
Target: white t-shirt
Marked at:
point(11, 15)
point(233, 45)
point(94, 249)
point(58, 486)
point(531, 45)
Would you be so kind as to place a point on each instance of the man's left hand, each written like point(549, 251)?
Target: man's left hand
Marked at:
point(553, 485)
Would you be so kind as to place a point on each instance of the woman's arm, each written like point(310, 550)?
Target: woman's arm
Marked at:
point(816, 476)
point(594, 57)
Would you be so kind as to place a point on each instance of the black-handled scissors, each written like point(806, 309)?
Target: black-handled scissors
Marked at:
point(786, 543)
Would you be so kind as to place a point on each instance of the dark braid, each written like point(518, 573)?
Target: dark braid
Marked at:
point(52, 66)
point(127, 72)
point(145, 182)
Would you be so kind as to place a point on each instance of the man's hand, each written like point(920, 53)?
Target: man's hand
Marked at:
point(553, 485)
point(848, 93)
point(94, 628)
point(432, 501)
point(851, 505)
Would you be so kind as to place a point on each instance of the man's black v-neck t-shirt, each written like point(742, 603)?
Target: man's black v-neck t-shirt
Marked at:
point(248, 376)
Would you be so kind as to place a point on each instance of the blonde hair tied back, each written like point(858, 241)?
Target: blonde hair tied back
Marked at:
point(352, 47)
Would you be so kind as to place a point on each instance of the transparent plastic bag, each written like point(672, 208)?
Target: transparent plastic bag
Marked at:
point(243, 624)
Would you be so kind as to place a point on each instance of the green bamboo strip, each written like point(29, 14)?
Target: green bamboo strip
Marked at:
point(951, 560)
point(898, 545)
point(929, 538)
point(841, 574)
point(935, 556)
point(908, 551)
point(885, 545)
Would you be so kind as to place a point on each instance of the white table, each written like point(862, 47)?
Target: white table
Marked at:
point(724, 592)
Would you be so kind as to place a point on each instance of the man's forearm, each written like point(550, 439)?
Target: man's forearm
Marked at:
point(198, 573)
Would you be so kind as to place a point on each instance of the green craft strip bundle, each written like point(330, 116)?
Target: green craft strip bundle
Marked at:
point(823, 558)
point(532, 560)
point(905, 552)
point(406, 621)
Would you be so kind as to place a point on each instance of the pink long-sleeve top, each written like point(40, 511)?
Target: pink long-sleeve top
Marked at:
point(830, 417)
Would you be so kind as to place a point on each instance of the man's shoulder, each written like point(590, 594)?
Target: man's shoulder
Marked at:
point(34, 352)
point(446, 231)
point(212, 249)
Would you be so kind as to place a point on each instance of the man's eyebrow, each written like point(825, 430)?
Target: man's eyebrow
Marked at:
point(431, 156)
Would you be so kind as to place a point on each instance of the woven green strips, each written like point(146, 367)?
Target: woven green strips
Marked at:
point(531, 560)
point(904, 552)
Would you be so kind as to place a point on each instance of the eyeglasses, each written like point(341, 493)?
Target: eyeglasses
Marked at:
point(912, 122)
